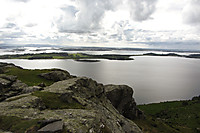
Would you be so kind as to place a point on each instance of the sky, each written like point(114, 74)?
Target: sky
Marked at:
point(109, 23)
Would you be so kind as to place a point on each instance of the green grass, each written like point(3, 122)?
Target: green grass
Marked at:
point(53, 101)
point(16, 124)
point(151, 125)
point(30, 77)
point(183, 116)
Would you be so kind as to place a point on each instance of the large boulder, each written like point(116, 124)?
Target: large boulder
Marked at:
point(121, 97)
point(56, 75)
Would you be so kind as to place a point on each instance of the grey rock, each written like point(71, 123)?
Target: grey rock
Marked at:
point(46, 122)
point(121, 98)
point(18, 85)
point(31, 89)
point(10, 86)
point(52, 127)
point(56, 75)
point(9, 77)
point(4, 83)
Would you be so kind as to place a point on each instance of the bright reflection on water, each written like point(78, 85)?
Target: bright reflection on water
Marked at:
point(154, 79)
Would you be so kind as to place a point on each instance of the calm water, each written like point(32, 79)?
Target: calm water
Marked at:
point(153, 79)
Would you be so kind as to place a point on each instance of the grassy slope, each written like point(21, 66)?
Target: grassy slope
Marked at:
point(30, 77)
point(181, 116)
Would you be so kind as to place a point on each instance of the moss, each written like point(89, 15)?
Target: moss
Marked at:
point(53, 101)
point(30, 77)
point(16, 124)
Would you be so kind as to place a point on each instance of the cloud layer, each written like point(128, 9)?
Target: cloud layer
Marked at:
point(99, 22)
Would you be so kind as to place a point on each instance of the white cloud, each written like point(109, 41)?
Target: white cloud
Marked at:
point(98, 22)
point(86, 16)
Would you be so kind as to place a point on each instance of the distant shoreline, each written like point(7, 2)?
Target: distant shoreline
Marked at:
point(83, 57)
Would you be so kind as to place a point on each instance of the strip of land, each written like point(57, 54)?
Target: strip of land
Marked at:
point(75, 56)
point(82, 57)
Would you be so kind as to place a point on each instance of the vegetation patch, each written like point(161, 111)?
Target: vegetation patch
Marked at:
point(54, 101)
point(151, 125)
point(30, 77)
point(182, 116)
point(16, 124)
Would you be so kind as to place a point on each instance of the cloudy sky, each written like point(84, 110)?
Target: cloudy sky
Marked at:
point(120, 23)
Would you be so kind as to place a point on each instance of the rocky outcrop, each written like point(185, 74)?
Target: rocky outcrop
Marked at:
point(121, 97)
point(94, 112)
point(56, 75)
point(10, 86)
point(7, 86)
point(74, 105)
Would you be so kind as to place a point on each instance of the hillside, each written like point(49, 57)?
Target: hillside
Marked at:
point(177, 116)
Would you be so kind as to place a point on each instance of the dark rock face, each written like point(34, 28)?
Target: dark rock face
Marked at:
point(7, 89)
point(57, 75)
point(121, 98)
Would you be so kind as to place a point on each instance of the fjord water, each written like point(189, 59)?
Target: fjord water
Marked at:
point(154, 79)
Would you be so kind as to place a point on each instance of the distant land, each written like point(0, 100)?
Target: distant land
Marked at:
point(85, 48)
point(81, 56)
point(39, 51)
point(75, 56)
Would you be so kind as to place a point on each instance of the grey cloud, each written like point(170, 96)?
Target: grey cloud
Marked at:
point(30, 25)
point(191, 13)
point(9, 25)
point(70, 9)
point(77, 31)
point(128, 34)
point(142, 10)
point(86, 16)
point(11, 35)
point(21, 0)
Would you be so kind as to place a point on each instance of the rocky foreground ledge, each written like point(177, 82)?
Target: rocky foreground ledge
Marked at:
point(69, 105)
